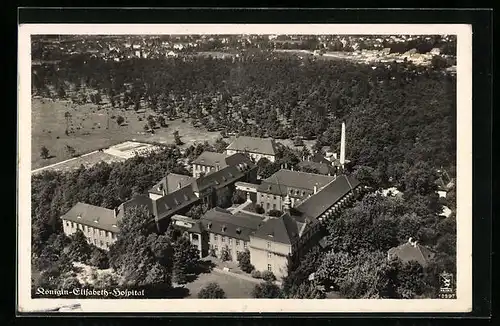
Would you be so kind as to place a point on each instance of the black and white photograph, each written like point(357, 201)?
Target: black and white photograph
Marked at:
point(317, 165)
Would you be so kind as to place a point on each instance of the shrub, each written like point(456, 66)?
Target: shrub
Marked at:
point(211, 291)
point(244, 261)
point(259, 209)
point(256, 274)
point(268, 276)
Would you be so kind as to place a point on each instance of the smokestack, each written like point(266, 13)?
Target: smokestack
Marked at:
point(217, 167)
point(179, 185)
point(342, 145)
point(315, 188)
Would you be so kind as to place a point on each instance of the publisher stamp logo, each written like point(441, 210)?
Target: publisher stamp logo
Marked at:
point(447, 286)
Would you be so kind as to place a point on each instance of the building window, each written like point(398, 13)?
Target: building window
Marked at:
point(67, 223)
point(215, 237)
point(237, 242)
point(274, 206)
point(102, 243)
point(274, 197)
point(244, 244)
point(95, 241)
point(268, 245)
point(269, 268)
point(223, 239)
point(230, 241)
point(268, 205)
point(269, 255)
point(216, 248)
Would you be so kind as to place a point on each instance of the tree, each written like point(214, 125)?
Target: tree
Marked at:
point(120, 120)
point(137, 256)
point(79, 249)
point(60, 92)
point(212, 291)
point(267, 290)
point(151, 122)
point(224, 254)
point(244, 261)
point(185, 260)
point(71, 150)
point(99, 258)
point(161, 121)
point(268, 276)
point(44, 153)
point(177, 138)
point(275, 213)
point(237, 198)
point(195, 212)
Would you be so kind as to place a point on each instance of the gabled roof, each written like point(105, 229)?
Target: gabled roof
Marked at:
point(173, 202)
point(171, 183)
point(265, 146)
point(280, 181)
point(220, 178)
point(238, 226)
point(283, 229)
point(317, 204)
point(94, 216)
point(136, 201)
point(211, 159)
point(412, 252)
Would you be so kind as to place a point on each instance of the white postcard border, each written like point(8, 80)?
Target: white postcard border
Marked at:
point(463, 303)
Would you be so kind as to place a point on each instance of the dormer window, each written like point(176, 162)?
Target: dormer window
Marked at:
point(114, 225)
point(96, 220)
point(223, 178)
point(79, 216)
point(238, 231)
point(230, 174)
point(217, 182)
point(224, 228)
point(186, 197)
point(176, 201)
point(209, 226)
point(167, 207)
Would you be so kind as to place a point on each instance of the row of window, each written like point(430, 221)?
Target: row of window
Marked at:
point(104, 244)
point(229, 240)
point(87, 229)
point(203, 168)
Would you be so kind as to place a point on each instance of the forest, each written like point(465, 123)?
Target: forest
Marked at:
point(400, 122)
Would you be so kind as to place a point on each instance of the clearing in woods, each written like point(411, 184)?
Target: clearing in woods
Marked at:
point(94, 128)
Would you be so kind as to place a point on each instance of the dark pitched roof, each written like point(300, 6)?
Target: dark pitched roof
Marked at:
point(409, 252)
point(173, 202)
point(171, 183)
point(322, 168)
point(317, 204)
point(265, 146)
point(211, 159)
point(283, 229)
point(238, 226)
point(319, 158)
point(280, 181)
point(94, 216)
point(239, 158)
point(136, 201)
point(220, 178)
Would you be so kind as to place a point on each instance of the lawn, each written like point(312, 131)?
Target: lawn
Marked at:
point(94, 128)
point(234, 287)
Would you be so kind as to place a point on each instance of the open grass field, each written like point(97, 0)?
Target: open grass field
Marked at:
point(94, 128)
point(234, 287)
